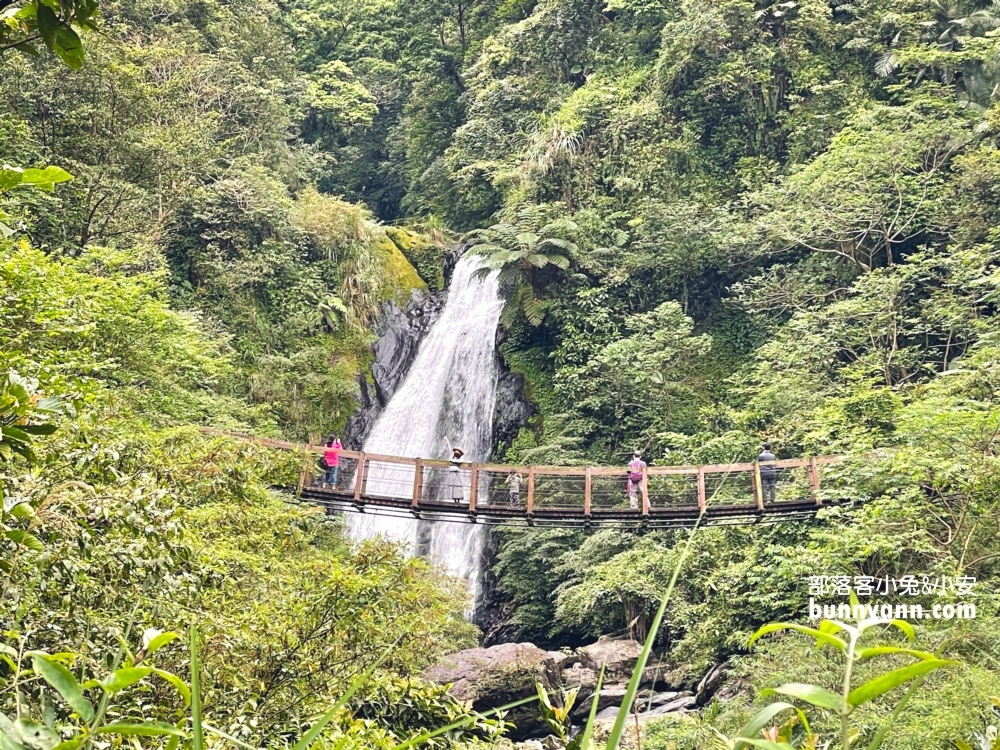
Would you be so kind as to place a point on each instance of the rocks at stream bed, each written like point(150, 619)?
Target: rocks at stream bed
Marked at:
point(618, 657)
point(677, 703)
point(491, 677)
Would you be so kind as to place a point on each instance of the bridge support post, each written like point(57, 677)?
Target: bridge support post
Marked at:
point(360, 479)
point(418, 482)
point(702, 499)
point(814, 481)
point(587, 484)
point(531, 490)
point(645, 490)
point(758, 490)
point(474, 488)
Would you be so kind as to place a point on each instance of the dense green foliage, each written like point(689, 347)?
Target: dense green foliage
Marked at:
point(719, 223)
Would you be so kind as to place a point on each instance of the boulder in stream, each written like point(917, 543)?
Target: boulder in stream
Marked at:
point(491, 677)
point(619, 657)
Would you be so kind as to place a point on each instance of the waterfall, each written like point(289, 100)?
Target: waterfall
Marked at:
point(449, 390)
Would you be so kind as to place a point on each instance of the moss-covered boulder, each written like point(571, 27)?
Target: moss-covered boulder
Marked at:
point(426, 255)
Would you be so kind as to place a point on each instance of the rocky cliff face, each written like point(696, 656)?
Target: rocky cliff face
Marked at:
point(399, 331)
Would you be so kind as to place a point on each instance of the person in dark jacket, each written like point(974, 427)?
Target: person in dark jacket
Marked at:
point(768, 474)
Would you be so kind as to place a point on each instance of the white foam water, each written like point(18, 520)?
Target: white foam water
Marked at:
point(450, 391)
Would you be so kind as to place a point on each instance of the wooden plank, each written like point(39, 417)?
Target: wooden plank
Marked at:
point(814, 481)
point(669, 470)
point(727, 468)
point(418, 482)
point(758, 490)
point(390, 459)
point(586, 493)
point(645, 491)
point(531, 490)
point(702, 499)
point(560, 470)
point(359, 479)
point(474, 488)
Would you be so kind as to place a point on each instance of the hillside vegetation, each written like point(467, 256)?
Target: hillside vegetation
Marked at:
point(719, 223)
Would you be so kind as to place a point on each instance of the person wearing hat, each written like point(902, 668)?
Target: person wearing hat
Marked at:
point(454, 484)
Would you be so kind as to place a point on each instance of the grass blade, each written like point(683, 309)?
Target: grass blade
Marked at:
point(615, 738)
point(198, 737)
point(587, 740)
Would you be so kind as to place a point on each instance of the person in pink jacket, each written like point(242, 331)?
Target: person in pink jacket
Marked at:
point(331, 456)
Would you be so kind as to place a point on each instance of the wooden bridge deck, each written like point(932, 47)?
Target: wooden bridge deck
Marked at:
point(561, 495)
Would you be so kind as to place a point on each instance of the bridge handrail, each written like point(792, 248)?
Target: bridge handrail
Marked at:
point(784, 463)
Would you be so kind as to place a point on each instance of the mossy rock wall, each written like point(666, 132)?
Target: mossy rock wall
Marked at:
point(424, 254)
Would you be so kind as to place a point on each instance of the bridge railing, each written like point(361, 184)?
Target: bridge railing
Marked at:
point(570, 490)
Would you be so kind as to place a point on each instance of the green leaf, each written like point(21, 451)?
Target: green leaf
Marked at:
point(145, 729)
point(153, 640)
point(124, 678)
point(178, 684)
point(45, 178)
point(24, 538)
point(64, 683)
point(761, 719)
point(22, 510)
point(69, 48)
point(811, 694)
point(819, 635)
point(48, 25)
point(768, 744)
point(885, 683)
point(39, 429)
point(37, 736)
point(867, 653)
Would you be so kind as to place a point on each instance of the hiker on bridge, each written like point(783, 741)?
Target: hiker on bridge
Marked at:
point(635, 467)
point(768, 474)
point(513, 481)
point(331, 457)
point(454, 484)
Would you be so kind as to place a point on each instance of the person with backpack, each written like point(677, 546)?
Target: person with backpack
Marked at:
point(635, 467)
point(768, 474)
point(331, 457)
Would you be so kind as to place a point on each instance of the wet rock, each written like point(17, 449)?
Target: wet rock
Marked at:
point(559, 658)
point(491, 677)
point(711, 682)
point(658, 699)
point(579, 675)
point(611, 695)
point(451, 259)
point(662, 677)
point(684, 702)
point(512, 411)
point(607, 714)
point(619, 657)
point(400, 332)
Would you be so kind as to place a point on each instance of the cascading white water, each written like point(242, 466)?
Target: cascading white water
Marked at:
point(449, 391)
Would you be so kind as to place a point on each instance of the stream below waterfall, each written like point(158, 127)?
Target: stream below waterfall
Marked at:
point(450, 390)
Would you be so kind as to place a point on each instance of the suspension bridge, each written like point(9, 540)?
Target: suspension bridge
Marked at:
point(667, 496)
